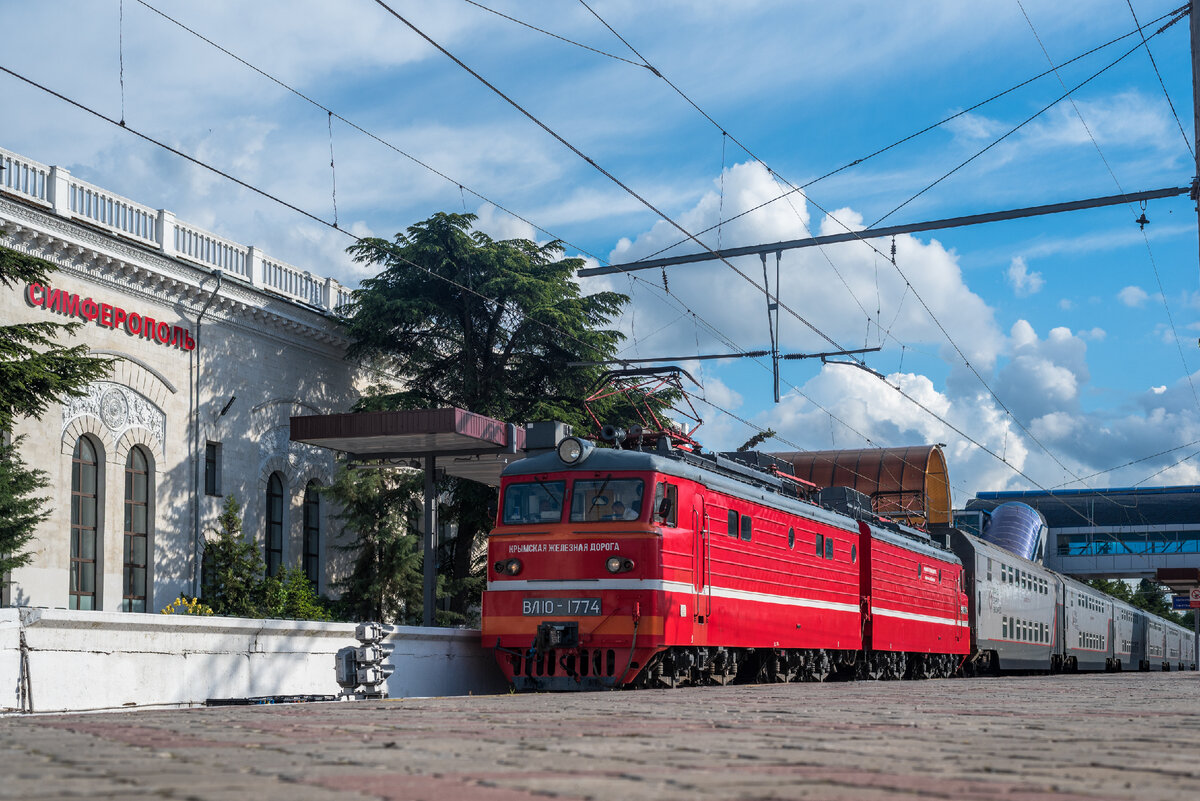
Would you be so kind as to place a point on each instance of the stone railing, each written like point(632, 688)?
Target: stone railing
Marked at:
point(57, 190)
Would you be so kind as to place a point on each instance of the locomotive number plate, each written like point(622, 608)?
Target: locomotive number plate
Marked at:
point(560, 606)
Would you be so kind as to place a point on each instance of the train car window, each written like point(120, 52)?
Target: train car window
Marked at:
point(989, 568)
point(733, 523)
point(920, 569)
point(534, 502)
point(828, 548)
point(939, 575)
point(606, 499)
point(791, 538)
point(820, 545)
point(666, 502)
point(746, 526)
point(1004, 627)
point(853, 554)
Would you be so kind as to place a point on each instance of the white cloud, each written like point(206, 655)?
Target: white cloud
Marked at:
point(1023, 282)
point(1132, 296)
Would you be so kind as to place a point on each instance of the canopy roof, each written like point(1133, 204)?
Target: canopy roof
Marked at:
point(465, 444)
point(909, 483)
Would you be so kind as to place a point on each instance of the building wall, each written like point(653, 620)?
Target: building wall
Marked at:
point(279, 357)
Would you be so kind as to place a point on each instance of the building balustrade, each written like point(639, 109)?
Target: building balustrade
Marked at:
point(57, 190)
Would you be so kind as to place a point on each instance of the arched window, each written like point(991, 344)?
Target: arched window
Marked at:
point(138, 488)
point(85, 524)
point(312, 533)
point(274, 539)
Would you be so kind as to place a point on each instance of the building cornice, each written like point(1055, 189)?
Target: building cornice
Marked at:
point(79, 249)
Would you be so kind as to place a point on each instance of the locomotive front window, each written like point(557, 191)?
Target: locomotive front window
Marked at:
point(534, 502)
point(607, 499)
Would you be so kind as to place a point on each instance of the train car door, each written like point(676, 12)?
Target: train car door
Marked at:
point(700, 560)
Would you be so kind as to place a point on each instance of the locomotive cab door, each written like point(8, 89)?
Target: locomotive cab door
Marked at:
point(700, 561)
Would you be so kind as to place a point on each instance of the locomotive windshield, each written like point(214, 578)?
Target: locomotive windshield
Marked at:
point(606, 499)
point(534, 502)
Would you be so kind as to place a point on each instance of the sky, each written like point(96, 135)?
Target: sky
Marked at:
point(1052, 352)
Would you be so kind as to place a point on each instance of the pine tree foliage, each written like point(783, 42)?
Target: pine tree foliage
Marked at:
point(382, 508)
point(232, 579)
point(1149, 596)
point(36, 371)
point(490, 326)
point(20, 509)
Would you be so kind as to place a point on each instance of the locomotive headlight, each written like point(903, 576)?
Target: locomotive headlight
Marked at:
point(618, 564)
point(508, 567)
point(573, 450)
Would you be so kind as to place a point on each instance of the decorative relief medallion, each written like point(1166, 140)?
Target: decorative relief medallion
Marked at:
point(114, 409)
point(299, 456)
point(119, 409)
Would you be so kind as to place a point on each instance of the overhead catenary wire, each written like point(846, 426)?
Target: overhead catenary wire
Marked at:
point(1150, 252)
point(1186, 142)
point(693, 237)
point(915, 134)
point(553, 35)
point(908, 284)
point(217, 171)
point(1144, 42)
point(1066, 95)
point(458, 285)
point(558, 137)
point(368, 133)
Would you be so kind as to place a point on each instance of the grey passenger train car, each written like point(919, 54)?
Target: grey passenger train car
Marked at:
point(1014, 605)
point(1087, 623)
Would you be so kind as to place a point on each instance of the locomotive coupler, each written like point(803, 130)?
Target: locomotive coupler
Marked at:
point(556, 635)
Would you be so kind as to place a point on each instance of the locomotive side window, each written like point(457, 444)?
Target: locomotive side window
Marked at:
point(820, 545)
point(746, 526)
point(733, 523)
point(828, 548)
point(791, 538)
point(853, 554)
point(666, 500)
point(534, 502)
point(606, 499)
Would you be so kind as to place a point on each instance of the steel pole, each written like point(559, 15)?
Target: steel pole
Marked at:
point(430, 540)
point(1195, 39)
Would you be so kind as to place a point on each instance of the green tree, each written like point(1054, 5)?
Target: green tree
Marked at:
point(381, 508)
point(1149, 595)
point(491, 326)
point(35, 372)
point(232, 580)
point(20, 509)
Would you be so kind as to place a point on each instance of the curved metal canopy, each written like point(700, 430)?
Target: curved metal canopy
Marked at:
point(910, 484)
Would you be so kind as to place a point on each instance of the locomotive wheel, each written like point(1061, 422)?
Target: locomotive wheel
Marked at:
point(875, 666)
point(817, 666)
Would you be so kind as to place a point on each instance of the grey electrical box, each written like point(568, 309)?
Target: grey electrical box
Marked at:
point(545, 436)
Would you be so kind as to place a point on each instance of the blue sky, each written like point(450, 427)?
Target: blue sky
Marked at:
point(1081, 326)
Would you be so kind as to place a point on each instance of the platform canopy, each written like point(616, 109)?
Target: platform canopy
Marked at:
point(465, 444)
point(907, 483)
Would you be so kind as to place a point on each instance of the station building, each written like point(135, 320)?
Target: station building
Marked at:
point(215, 346)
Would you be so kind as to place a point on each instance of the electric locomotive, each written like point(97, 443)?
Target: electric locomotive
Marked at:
point(647, 564)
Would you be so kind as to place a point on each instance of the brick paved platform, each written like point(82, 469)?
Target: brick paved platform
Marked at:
point(1133, 736)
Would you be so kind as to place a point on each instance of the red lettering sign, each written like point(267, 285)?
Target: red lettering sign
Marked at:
point(133, 324)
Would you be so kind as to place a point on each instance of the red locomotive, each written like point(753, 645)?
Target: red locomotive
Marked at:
point(647, 564)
